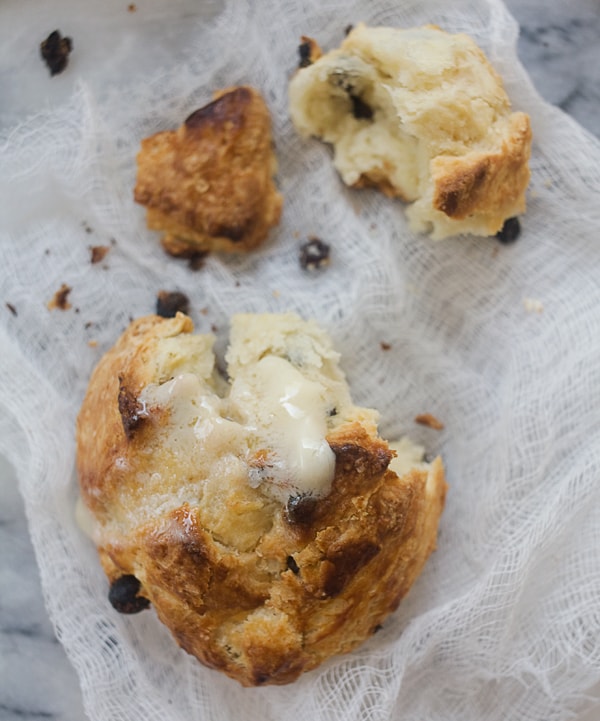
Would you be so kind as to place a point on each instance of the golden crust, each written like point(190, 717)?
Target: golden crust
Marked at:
point(491, 184)
point(208, 186)
point(320, 576)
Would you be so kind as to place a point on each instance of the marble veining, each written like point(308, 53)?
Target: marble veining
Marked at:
point(561, 51)
point(36, 679)
point(559, 46)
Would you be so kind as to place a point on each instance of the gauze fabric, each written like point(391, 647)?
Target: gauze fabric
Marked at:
point(501, 343)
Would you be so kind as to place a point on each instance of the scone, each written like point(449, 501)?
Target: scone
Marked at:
point(208, 186)
point(261, 514)
point(421, 115)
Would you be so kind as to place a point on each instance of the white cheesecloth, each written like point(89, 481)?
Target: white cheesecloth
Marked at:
point(502, 343)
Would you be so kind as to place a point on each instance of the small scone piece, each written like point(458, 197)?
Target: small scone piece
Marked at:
point(208, 186)
point(261, 514)
point(421, 115)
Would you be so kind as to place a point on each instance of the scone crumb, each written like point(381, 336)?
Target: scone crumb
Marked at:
point(208, 185)
point(385, 346)
point(132, 7)
point(533, 305)
point(98, 253)
point(445, 142)
point(60, 298)
point(429, 420)
point(93, 343)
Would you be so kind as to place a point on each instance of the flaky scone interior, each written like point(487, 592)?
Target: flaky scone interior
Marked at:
point(421, 115)
point(259, 512)
point(208, 186)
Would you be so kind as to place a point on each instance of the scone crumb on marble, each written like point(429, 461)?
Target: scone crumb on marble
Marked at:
point(208, 186)
point(260, 514)
point(421, 115)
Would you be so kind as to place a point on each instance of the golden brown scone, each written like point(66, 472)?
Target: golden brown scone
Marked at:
point(262, 516)
point(421, 115)
point(208, 186)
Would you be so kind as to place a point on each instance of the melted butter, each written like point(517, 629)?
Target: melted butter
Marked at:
point(276, 410)
point(194, 411)
point(291, 421)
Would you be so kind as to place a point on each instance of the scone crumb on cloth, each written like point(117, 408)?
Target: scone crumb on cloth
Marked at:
point(533, 305)
point(208, 186)
point(421, 115)
point(429, 420)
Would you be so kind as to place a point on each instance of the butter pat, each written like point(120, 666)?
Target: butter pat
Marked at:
point(289, 418)
point(267, 425)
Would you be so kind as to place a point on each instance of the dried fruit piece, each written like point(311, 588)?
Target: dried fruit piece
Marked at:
point(55, 51)
point(314, 254)
point(510, 231)
point(309, 51)
point(123, 595)
point(169, 303)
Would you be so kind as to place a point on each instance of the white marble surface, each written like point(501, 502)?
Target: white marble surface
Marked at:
point(560, 47)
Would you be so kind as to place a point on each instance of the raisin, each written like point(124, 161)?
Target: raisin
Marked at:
point(169, 303)
point(123, 595)
point(130, 409)
point(314, 254)
point(55, 52)
point(360, 109)
point(510, 231)
point(292, 565)
point(196, 260)
point(300, 509)
point(304, 51)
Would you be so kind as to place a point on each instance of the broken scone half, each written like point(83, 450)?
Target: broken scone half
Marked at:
point(421, 115)
point(261, 515)
point(208, 186)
